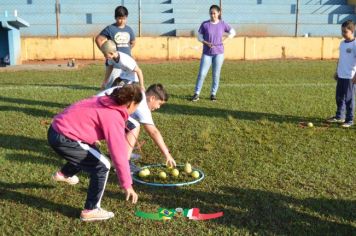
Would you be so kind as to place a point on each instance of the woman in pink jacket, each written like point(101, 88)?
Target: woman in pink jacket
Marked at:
point(73, 135)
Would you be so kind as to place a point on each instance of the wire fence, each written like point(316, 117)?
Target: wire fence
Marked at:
point(61, 18)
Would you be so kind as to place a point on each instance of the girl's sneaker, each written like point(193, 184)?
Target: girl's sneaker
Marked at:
point(96, 214)
point(195, 98)
point(59, 177)
point(347, 124)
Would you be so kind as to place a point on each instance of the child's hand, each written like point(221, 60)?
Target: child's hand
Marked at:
point(354, 80)
point(335, 76)
point(131, 193)
point(170, 161)
point(210, 45)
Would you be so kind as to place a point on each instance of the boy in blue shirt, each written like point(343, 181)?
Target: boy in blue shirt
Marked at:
point(346, 77)
point(121, 34)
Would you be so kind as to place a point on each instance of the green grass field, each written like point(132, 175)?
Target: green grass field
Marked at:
point(267, 173)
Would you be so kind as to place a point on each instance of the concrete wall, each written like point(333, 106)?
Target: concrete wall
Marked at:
point(180, 48)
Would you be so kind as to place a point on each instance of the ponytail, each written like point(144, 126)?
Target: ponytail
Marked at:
point(127, 94)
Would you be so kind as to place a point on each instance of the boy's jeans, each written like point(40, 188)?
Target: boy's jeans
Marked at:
point(205, 62)
point(345, 98)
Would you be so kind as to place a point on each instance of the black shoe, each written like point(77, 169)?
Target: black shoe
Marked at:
point(213, 98)
point(195, 98)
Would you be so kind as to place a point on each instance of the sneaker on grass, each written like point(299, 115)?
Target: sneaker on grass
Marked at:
point(334, 119)
point(195, 97)
point(96, 214)
point(213, 98)
point(347, 124)
point(59, 177)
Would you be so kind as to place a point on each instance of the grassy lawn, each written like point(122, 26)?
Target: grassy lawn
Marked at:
point(267, 173)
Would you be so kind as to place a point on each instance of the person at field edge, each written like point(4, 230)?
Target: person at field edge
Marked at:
point(121, 34)
point(211, 34)
point(345, 76)
point(74, 133)
point(130, 72)
point(154, 97)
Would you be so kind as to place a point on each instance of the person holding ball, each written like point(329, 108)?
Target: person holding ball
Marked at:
point(211, 34)
point(74, 133)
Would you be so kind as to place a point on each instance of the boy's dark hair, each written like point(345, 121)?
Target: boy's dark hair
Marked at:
point(217, 8)
point(121, 11)
point(158, 91)
point(349, 24)
point(126, 94)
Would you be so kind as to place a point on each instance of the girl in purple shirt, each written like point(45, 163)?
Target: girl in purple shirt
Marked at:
point(211, 34)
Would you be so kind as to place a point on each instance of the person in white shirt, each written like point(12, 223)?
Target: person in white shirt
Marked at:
point(346, 77)
point(130, 71)
point(154, 97)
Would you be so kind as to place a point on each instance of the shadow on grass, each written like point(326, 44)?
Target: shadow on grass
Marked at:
point(8, 193)
point(262, 211)
point(19, 143)
point(38, 160)
point(175, 109)
point(32, 102)
point(28, 111)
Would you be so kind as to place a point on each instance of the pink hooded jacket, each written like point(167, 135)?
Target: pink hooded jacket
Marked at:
point(98, 118)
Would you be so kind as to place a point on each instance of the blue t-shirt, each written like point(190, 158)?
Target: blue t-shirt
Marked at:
point(121, 36)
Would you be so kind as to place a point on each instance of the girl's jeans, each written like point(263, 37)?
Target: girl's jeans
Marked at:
point(205, 62)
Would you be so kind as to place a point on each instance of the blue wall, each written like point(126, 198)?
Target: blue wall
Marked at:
point(183, 17)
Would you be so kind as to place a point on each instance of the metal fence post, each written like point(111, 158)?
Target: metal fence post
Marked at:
point(296, 18)
point(139, 18)
point(57, 17)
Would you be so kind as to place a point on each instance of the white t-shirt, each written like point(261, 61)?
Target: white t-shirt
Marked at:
point(346, 67)
point(127, 64)
point(142, 114)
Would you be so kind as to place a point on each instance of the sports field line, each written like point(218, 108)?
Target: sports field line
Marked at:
point(69, 87)
point(257, 85)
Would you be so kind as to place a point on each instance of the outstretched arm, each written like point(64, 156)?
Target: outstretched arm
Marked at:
point(154, 133)
point(140, 76)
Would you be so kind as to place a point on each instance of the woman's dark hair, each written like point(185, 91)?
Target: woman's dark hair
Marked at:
point(217, 8)
point(126, 94)
point(158, 91)
point(121, 11)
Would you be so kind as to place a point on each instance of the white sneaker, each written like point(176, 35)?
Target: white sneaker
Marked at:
point(96, 214)
point(347, 124)
point(59, 177)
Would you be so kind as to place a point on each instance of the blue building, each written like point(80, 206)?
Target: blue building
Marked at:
point(182, 17)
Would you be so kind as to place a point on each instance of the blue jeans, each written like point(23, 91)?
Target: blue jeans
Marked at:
point(205, 62)
point(345, 99)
